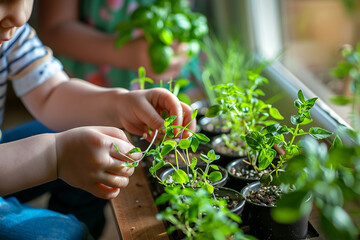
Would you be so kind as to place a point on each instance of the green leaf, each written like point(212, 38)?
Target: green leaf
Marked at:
point(168, 121)
point(213, 111)
point(160, 56)
point(337, 224)
point(184, 98)
point(135, 150)
point(254, 140)
point(202, 137)
point(265, 158)
point(215, 176)
point(341, 100)
point(131, 164)
point(180, 176)
point(209, 188)
point(275, 114)
point(194, 114)
point(301, 96)
point(337, 143)
point(319, 133)
point(166, 36)
point(166, 149)
point(193, 163)
point(184, 143)
point(163, 198)
point(122, 39)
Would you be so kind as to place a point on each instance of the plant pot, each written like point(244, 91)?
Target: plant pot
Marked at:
point(237, 200)
point(212, 127)
point(202, 107)
point(239, 182)
point(263, 226)
point(227, 154)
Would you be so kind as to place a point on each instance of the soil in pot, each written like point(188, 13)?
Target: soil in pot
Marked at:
point(261, 224)
point(212, 127)
point(227, 154)
point(241, 174)
point(235, 201)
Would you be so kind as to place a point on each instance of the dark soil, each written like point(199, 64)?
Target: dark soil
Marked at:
point(230, 203)
point(265, 196)
point(247, 173)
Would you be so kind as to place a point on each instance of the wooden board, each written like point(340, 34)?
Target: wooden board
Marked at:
point(135, 212)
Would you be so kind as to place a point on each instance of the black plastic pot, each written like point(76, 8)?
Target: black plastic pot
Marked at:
point(202, 107)
point(263, 226)
point(238, 182)
point(234, 196)
point(226, 157)
point(205, 122)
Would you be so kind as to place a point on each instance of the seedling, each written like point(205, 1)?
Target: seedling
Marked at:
point(198, 215)
point(242, 109)
point(262, 142)
point(142, 79)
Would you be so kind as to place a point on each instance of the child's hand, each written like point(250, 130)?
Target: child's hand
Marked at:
point(142, 110)
point(88, 160)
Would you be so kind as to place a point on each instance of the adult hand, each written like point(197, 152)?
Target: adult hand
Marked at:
point(87, 159)
point(141, 51)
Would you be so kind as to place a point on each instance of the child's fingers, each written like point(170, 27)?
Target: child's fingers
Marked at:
point(120, 170)
point(102, 191)
point(114, 181)
point(113, 132)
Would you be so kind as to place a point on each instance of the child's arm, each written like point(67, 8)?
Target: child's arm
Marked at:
point(61, 29)
point(62, 104)
point(83, 157)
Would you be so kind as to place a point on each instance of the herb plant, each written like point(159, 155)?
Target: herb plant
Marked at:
point(350, 68)
point(195, 176)
point(243, 109)
point(332, 178)
point(262, 142)
point(162, 23)
point(198, 215)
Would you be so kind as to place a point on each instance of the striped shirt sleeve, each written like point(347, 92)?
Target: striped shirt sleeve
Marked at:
point(29, 62)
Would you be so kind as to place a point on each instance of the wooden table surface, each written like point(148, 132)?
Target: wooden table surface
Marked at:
point(135, 212)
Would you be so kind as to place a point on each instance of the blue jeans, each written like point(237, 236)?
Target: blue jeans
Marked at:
point(64, 198)
point(19, 221)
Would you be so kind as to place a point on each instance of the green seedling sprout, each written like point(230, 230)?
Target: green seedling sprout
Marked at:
point(142, 79)
point(135, 163)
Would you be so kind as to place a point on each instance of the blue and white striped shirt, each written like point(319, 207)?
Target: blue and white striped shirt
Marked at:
point(26, 63)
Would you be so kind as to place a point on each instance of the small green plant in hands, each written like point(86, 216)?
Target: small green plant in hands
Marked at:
point(162, 23)
point(198, 215)
point(261, 142)
point(350, 68)
point(242, 109)
point(142, 79)
point(194, 176)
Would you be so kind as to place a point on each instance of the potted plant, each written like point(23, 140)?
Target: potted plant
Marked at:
point(197, 215)
point(244, 111)
point(162, 23)
point(262, 196)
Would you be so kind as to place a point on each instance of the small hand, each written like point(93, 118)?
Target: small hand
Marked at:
point(144, 111)
point(87, 159)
